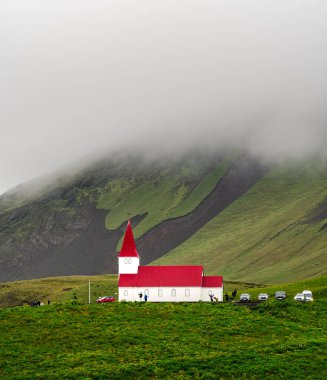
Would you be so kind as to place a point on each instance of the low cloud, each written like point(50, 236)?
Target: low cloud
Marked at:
point(83, 78)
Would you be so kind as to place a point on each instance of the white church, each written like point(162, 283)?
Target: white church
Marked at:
point(185, 283)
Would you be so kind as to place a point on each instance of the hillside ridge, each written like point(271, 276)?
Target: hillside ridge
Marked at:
point(236, 217)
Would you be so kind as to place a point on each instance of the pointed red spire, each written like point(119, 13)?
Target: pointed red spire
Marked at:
point(128, 248)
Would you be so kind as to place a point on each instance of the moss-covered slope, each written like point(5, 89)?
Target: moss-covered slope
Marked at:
point(247, 221)
point(275, 232)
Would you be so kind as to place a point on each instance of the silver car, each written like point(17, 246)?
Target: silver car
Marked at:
point(245, 297)
point(299, 297)
point(280, 295)
point(263, 297)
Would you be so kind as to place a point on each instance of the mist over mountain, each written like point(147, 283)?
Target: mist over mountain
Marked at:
point(232, 213)
point(84, 79)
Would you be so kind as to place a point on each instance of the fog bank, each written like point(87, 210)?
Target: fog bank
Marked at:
point(84, 78)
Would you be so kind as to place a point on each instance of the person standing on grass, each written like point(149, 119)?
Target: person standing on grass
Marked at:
point(145, 297)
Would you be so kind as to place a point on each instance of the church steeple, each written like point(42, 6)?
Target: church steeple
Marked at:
point(128, 258)
point(128, 248)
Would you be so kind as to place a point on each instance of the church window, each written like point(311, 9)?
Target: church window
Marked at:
point(159, 292)
point(173, 292)
point(125, 293)
point(146, 292)
point(210, 292)
point(187, 292)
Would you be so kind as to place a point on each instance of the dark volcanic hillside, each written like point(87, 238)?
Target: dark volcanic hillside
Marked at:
point(75, 227)
point(62, 232)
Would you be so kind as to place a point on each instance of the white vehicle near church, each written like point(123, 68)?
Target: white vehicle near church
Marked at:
point(245, 297)
point(305, 296)
point(263, 297)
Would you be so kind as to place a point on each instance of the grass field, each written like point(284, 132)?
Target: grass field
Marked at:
point(57, 289)
point(265, 235)
point(275, 340)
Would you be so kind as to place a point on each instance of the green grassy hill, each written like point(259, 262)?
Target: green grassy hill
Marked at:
point(186, 211)
point(166, 194)
point(276, 232)
point(57, 289)
point(275, 340)
point(76, 227)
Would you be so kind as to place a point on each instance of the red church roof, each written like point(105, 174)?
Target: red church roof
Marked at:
point(157, 276)
point(212, 281)
point(128, 248)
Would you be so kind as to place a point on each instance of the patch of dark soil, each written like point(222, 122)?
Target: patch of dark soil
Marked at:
point(66, 289)
point(318, 214)
point(242, 175)
point(324, 227)
point(92, 252)
point(246, 284)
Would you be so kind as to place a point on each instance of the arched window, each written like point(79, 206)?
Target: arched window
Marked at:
point(173, 292)
point(187, 292)
point(146, 292)
point(210, 292)
point(159, 292)
point(129, 261)
point(125, 293)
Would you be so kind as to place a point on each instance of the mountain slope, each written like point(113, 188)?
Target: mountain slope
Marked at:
point(276, 232)
point(62, 232)
point(235, 216)
point(236, 181)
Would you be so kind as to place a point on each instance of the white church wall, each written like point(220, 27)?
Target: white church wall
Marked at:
point(128, 265)
point(126, 294)
point(163, 294)
point(217, 292)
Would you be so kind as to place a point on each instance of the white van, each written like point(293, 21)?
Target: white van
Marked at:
point(307, 295)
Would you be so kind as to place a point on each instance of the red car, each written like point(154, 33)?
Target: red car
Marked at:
point(106, 299)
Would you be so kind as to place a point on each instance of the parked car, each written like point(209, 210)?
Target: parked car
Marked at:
point(307, 294)
point(245, 297)
point(280, 295)
point(299, 297)
point(106, 299)
point(263, 297)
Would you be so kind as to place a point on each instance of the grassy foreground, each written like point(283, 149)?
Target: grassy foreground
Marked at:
point(276, 340)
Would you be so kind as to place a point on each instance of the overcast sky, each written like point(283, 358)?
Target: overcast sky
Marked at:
point(80, 77)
